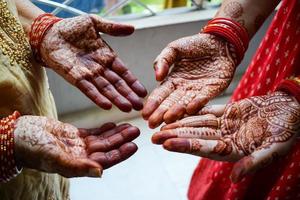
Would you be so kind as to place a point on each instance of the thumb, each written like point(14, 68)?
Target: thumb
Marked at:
point(111, 28)
point(163, 62)
point(81, 167)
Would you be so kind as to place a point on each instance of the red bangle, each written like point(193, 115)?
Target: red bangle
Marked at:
point(291, 86)
point(39, 28)
point(8, 167)
point(231, 31)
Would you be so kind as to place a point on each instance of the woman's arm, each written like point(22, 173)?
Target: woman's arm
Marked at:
point(249, 13)
point(27, 13)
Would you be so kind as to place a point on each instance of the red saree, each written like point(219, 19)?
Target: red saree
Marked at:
point(278, 57)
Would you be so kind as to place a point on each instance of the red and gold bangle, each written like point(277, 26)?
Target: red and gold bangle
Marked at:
point(39, 28)
point(291, 86)
point(231, 31)
point(8, 167)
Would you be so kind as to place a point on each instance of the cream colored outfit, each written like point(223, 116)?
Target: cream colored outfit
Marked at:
point(24, 87)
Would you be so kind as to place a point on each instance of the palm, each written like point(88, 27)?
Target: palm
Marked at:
point(253, 131)
point(202, 69)
point(75, 50)
point(51, 146)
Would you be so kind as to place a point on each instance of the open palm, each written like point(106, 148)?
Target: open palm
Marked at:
point(74, 49)
point(203, 68)
point(51, 146)
point(253, 131)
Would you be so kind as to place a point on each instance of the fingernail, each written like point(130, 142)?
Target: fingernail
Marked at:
point(95, 172)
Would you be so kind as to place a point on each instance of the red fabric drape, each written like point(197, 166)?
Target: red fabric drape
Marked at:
point(278, 57)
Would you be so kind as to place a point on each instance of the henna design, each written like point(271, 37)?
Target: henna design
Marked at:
point(55, 147)
point(203, 68)
point(233, 9)
point(254, 131)
point(74, 49)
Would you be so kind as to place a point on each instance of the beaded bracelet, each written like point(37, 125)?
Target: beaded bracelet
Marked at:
point(39, 28)
point(231, 31)
point(8, 167)
point(291, 86)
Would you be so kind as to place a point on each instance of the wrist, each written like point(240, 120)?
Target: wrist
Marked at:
point(8, 169)
point(38, 30)
point(234, 33)
point(291, 86)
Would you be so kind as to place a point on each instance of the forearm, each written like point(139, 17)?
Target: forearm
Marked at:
point(249, 13)
point(27, 13)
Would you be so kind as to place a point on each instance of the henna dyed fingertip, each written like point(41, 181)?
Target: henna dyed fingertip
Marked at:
point(95, 172)
point(137, 105)
point(127, 150)
point(139, 89)
point(154, 122)
point(161, 137)
point(105, 105)
point(174, 113)
point(161, 68)
point(125, 107)
point(177, 145)
point(149, 108)
point(134, 132)
point(171, 126)
point(198, 103)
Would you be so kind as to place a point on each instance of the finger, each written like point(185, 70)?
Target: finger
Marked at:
point(156, 98)
point(111, 28)
point(115, 156)
point(190, 132)
point(124, 89)
point(163, 62)
point(96, 131)
point(79, 168)
point(216, 110)
point(157, 117)
point(91, 92)
point(114, 141)
point(258, 159)
point(119, 67)
point(107, 133)
point(112, 94)
point(196, 104)
point(178, 110)
point(213, 149)
point(208, 120)
point(174, 113)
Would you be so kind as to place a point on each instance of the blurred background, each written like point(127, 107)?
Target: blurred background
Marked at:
point(152, 173)
point(119, 7)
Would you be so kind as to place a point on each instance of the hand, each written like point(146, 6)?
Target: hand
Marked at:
point(203, 68)
point(55, 147)
point(74, 49)
point(253, 132)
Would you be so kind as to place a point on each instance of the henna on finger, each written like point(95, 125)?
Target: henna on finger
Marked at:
point(216, 110)
point(113, 141)
point(208, 120)
point(187, 132)
point(74, 49)
point(203, 68)
point(114, 157)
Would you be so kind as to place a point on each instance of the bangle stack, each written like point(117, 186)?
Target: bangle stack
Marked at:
point(291, 86)
point(231, 31)
point(8, 167)
point(38, 30)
